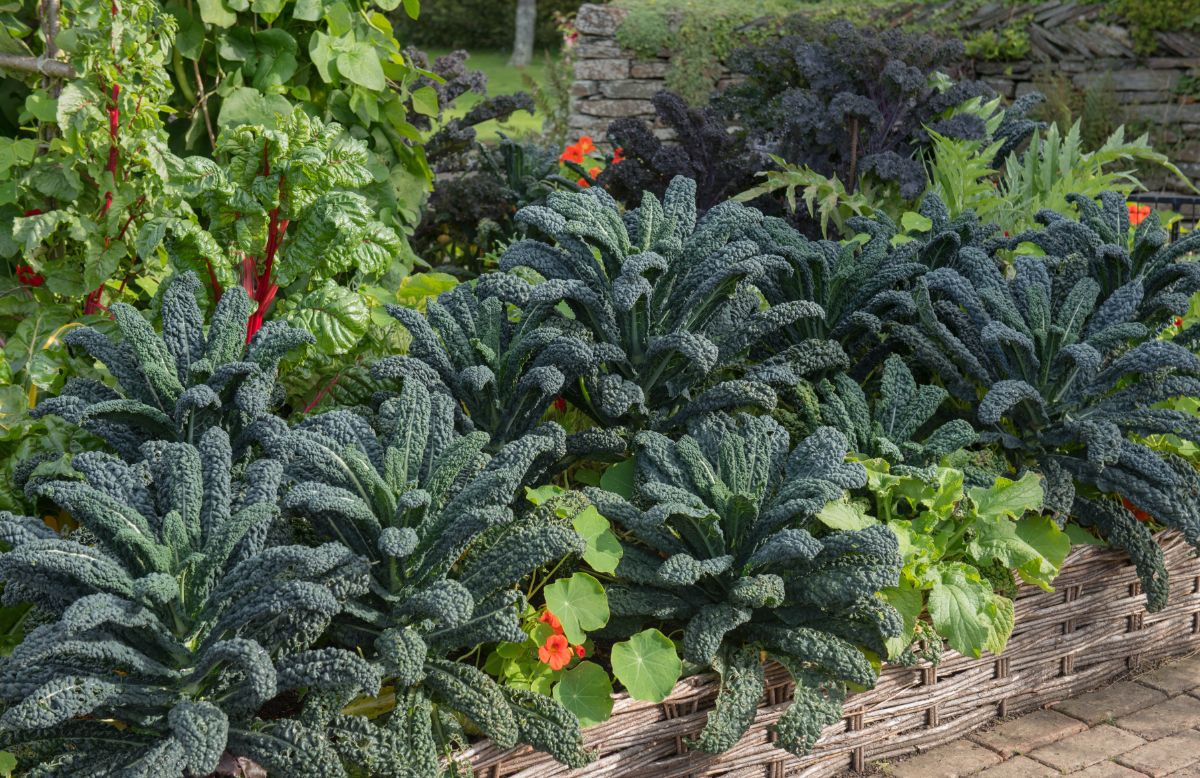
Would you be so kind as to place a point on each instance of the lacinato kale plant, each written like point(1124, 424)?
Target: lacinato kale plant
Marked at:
point(500, 370)
point(665, 304)
point(177, 384)
point(429, 512)
point(897, 420)
point(171, 621)
point(723, 544)
point(1060, 372)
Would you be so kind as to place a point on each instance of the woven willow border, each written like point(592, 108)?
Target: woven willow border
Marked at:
point(1092, 628)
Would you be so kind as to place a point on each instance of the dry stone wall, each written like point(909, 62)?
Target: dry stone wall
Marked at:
point(1069, 41)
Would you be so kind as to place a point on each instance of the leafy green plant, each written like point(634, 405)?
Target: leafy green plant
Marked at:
point(171, 620)
point(895, 421)
point(1059, 370)
point(721, 545)
point(504, 370)
point(75, 190)
point(661, 303)
point(176, 385)
point(960, 547)
point(429, 511)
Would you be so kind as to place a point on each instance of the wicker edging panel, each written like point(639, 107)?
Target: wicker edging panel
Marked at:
point(1091, 629)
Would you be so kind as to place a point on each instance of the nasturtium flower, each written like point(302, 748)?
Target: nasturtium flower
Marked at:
point(556, 652)
point(1138, 213)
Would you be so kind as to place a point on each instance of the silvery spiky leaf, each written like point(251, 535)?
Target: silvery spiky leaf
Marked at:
point(723, 545)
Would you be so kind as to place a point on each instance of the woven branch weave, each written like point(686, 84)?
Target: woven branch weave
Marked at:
point(1091, 629)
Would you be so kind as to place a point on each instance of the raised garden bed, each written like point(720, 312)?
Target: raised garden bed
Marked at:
point(1092, 628)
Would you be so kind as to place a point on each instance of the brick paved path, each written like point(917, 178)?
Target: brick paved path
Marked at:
point(1146, 726)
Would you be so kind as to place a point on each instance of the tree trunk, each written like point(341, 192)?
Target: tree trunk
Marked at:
point(522, 53)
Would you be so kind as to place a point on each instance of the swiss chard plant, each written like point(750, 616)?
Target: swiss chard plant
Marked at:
point(723, 543)
point(430, 512)
point(170, 622)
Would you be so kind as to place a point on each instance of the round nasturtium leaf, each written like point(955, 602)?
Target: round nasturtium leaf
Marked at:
point(647, 664)
point(580, 604)
point(586, 691)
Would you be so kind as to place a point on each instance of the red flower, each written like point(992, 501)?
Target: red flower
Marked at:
point(580, 652)
point(595, 171)
point(583, 183)
point(26, 276)
point(572, 153)
point(556, 652)
point(585, 144)
point(560, 404)
point(1179, 322)
point(617, 157)
point(552, 620)
point(1138, 213)
point(33, 212)
point(1137, 512)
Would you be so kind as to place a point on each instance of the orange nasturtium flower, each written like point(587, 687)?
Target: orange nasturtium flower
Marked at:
point(1138, 213)
point(1137, 512)
point(617, 156)
point(552, 620)
point(585, 144)
point(556, 652)
point(572, 153)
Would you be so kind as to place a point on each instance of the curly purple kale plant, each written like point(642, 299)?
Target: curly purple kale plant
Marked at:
point(848, 101)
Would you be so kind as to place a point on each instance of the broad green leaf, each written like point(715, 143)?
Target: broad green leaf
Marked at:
point(336, 316)
point(247, 105)
point(360, 63)
point(412, 8)
point(425, 101)
point(909, 602)
point(215, 12)
point(956, 604)
point(544, 494)
point(1050, 542)
point(1082, 537)
point(912, 221)
point(416, 289)
point(1000, 617)
point(845, 515)
point(603, 550)
point(580, 604)
point(308, 10)
point(618, 479)
point(8, 764)
point(647, 664)
point(586, 691)
point(1008, 498)
point(320, 51)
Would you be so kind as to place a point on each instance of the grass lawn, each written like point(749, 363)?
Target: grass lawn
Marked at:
point(502, 80)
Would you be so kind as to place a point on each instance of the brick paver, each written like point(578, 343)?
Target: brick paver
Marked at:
point(1087, 748)
point(1146, 727)
point(955, 760)
point(1042, 727)
point(1111, 702)
point(1163, 718)
point(1164, 756)
point(1176, 677)
point(1019, 767)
